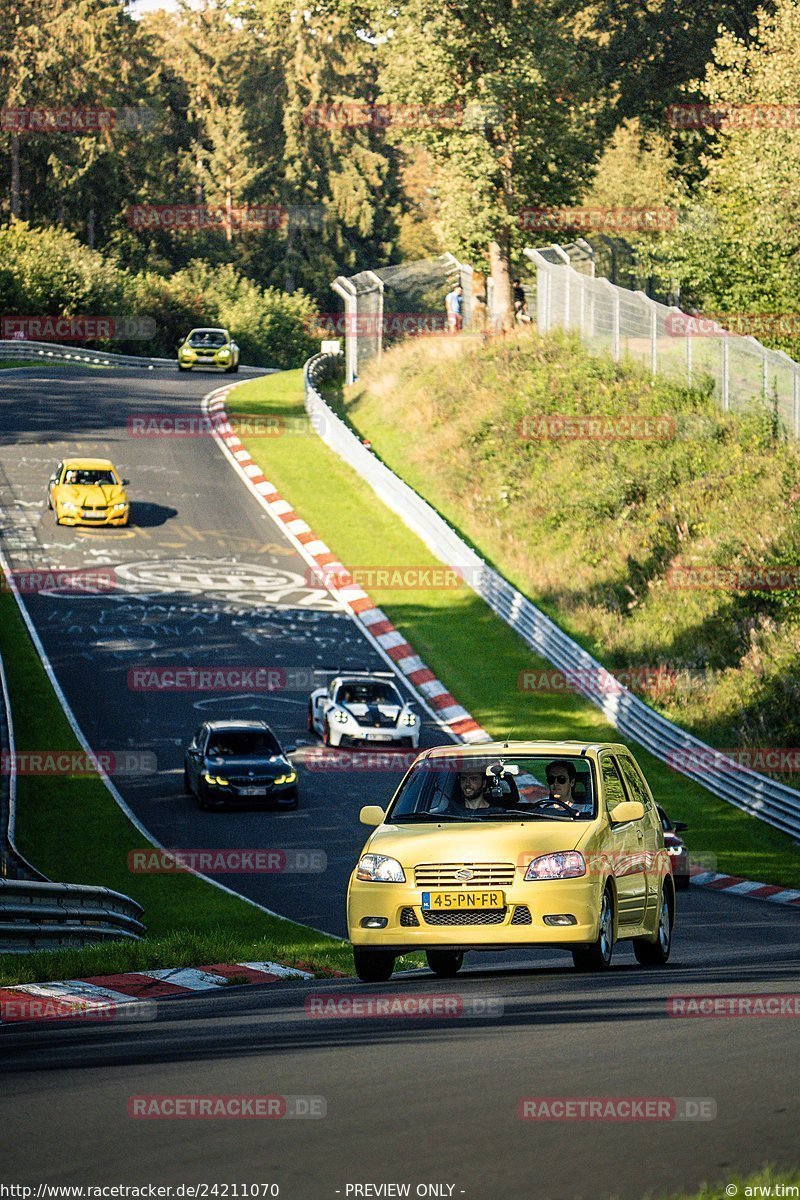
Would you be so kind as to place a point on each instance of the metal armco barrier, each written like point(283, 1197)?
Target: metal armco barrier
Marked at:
point(47, 916)
point(49, 351)
point(36, 914)
point(756, 794)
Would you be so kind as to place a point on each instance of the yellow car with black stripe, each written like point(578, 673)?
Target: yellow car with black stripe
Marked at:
point(88, 491)
point(557, 845)
point(212, 348)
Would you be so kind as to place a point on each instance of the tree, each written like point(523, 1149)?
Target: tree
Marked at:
point(515, 128)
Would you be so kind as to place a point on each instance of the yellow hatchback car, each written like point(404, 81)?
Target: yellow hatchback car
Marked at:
point(549, 844)
point(87, 491)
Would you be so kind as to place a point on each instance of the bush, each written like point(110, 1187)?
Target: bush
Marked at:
point(48, 272)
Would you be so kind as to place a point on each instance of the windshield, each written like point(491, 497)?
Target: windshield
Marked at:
point(88, 477)
point(243, 743)
point(367, 693)
point(207, 337)
point(512, 788)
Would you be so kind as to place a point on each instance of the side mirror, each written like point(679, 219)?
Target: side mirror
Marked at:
point(125, 482)
point(679, 826)
point(371, 814)
point(629, 810)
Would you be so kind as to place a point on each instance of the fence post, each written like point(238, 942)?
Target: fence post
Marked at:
point(346, 289)
point(581, 306)
point(725, 374)
point(379, 285)
point(650, 306)
point(615, 318)
point(796, 401)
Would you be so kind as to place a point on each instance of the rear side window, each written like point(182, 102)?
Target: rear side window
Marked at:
point(612, 783)
point(634, 781)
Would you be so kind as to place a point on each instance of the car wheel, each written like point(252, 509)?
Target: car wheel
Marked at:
point(445, 963)
point(310, 720)
point(181, 367)
point(235, 369)
point(294, 801)
point(326, 734)
point(681, 882)
point(49, 502)
point(373, 966)
point(187, 787)
point(656, 954)
point(597, 957)
point(202, 797)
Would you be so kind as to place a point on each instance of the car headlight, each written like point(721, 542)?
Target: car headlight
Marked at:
point(225, 352)
point(674, 849)
point(216, 779)
point(68, 506)
point(120, 504)
point(377, 868)
point(410, 718)
point(567, 864)
point(290, 778)
point(341, 717)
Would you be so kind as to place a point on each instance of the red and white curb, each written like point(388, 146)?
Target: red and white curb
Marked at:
point(443, 707)
point(732, 885)
point(128, 995)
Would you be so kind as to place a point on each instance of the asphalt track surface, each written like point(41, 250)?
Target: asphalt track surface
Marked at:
point(420, 1101)
point(203, 578)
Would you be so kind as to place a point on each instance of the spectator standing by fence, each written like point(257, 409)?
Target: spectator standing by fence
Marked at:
point(453, 304)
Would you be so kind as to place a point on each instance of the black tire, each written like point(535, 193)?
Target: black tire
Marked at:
point(187, 787)
point(235, 370)
point(181, 367)
point(445, 963)
point(656, 954)
point(326, 733)
point(295, 801)
point(597, 957)
point(202, 797)
point(681, 882)
point(310, 720)
point(373, 966)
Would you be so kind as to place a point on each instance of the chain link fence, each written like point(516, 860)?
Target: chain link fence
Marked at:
point(382, 307)
point(666, 341)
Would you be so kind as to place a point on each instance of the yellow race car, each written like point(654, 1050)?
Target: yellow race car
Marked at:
point(557, 845)
point(87, 491)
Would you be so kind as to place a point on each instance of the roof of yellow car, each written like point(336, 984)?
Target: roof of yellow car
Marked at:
point(89, 464)
point(490, 749)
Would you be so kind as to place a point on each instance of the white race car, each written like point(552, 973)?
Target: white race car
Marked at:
point(361, 706)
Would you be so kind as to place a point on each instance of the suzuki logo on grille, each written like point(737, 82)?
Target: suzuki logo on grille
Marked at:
point(465, 873)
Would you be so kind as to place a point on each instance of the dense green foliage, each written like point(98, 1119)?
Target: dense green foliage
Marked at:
point(598, 532)
point(49, 271)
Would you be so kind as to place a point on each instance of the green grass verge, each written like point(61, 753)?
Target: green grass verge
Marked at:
point(74, 832)
point(472, 651)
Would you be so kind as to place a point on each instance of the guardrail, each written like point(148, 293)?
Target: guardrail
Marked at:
point(47, 916)
point(36, 914)
point(748, 790)
point(19, 349)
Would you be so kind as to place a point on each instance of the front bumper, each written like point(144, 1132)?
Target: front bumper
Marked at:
point(120, 517)
point(230, 797)
point(578, 897)
point(212, 364)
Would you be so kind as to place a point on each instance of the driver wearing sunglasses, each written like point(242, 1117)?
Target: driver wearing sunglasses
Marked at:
point(561, 777)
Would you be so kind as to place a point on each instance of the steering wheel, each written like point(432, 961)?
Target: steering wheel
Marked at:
point(553, 803)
